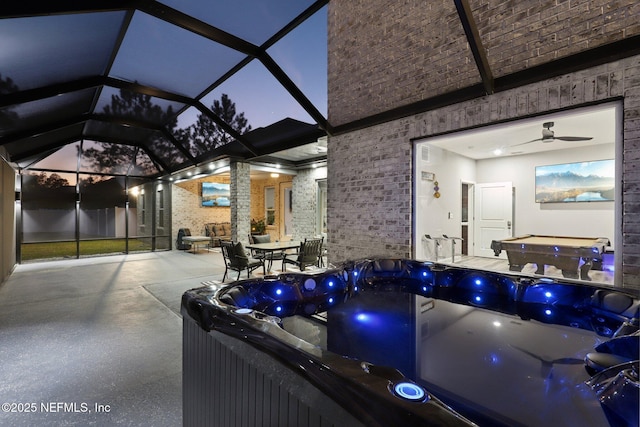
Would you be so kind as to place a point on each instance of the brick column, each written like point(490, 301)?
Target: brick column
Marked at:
point(240, 201)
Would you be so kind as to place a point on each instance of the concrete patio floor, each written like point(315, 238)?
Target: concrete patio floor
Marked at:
point(97, 341)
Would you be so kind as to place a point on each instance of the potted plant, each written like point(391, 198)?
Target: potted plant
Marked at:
point(258, 226)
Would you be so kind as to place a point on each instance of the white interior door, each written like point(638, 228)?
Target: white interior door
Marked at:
point(493, 214)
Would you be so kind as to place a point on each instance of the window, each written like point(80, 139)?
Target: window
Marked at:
point(270, 205)
point(160, 208)
point(142, 205)
point(321, 223)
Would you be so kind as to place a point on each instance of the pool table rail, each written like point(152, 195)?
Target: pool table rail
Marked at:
point(575, 256)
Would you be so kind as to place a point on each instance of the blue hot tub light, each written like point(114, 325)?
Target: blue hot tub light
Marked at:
point(309, 284)
point(409, 391)
point(367, 307)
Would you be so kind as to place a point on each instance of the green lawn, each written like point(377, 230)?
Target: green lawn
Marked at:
point(33, 251)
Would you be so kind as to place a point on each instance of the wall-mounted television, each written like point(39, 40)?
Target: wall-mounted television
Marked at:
point(216, 194)
point(576, 182)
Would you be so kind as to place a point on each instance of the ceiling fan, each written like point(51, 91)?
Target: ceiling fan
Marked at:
point(548, 136)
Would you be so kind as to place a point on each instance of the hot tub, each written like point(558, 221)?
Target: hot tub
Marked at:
point(395, 342)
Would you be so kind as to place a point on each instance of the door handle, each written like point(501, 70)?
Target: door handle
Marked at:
point(508, 225)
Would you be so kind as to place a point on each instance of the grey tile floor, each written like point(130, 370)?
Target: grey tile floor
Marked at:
point(97, 341)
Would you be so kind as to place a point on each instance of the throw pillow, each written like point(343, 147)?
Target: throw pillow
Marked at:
point(227, 228)
point(264, 238)
point(239, 250)
point(218, 230)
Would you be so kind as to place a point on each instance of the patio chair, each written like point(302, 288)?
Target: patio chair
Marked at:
point(309, 254)
point(269, 256)
point(236, 259)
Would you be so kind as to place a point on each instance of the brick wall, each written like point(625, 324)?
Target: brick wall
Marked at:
point(520, 34)
point(305, 202)
point(385, 54)
point(369, 207)
point(187, 209)
point(369, 192)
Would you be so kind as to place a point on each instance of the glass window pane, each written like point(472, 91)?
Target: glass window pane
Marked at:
point(158, 54)
point(258, 96)
point(163, 213)
point(66, 159)
point(94, 247)
point(48, 111)
point(41, 144)
point(48, 206)
point(43, 50)
point(302, 54)
point(102, 207)
point(116, 132)
point(121, 102)
point(143, 192)
point(252, 20)
point(47, 250)
point(199, 133)
point(143, 165)
point(270, 205)
point(137, 216)
point(104, 157)
point(165, 150)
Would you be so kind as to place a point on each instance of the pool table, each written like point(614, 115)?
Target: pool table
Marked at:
point(565, 253)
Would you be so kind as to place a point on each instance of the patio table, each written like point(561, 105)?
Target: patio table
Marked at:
point(194, 240)
point(270, 248)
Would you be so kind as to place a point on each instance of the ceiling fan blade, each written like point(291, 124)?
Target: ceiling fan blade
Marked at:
point(528, 142)
point(573, 138)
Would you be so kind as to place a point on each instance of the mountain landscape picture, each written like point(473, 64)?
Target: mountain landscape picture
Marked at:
point(576, 182)
point(215, 194)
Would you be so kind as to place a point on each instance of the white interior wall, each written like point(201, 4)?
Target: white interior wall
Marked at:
point(579, 219)
point(438, 216)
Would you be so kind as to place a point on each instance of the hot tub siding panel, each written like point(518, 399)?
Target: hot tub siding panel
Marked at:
point(227, 382)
